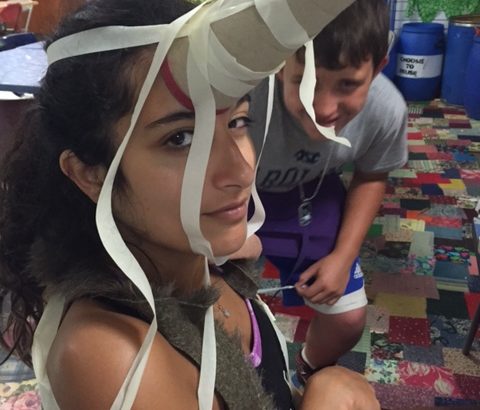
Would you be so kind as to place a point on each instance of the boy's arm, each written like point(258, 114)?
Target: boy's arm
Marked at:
point(364, 198)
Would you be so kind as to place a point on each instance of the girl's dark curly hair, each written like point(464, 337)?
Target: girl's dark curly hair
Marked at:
point(41, 210)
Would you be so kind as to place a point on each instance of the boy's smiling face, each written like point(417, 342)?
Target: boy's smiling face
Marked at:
point(339, 94)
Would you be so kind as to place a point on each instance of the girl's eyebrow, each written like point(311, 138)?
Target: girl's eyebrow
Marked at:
point(187, 115)
point(172, 117)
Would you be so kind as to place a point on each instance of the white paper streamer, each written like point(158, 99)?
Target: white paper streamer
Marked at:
point(43, 338)
point(195, 169)
point(307, 95)
point(258, 217)
point(208, 364)
point(192, 189)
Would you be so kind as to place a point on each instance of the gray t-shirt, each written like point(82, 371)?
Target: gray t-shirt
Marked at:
point(290, 157)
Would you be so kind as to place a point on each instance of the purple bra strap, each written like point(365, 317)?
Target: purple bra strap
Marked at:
point(255, 355)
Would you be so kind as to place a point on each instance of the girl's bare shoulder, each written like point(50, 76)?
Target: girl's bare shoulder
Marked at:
point(93, 352)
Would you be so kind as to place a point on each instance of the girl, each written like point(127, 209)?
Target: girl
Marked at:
point(56, 247)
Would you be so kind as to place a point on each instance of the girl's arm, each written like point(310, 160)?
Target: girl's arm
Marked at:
point(93, 352)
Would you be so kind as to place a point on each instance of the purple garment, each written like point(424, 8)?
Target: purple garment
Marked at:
point(293, 248)
point(255, 355)
point(281, 233)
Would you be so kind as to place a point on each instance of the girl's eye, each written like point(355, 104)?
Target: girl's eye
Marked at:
point(180, 139)
point(240, 122)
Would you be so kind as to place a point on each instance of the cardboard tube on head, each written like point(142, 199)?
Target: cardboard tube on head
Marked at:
point(249, 37)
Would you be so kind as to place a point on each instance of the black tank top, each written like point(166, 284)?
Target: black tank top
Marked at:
point(272, 366)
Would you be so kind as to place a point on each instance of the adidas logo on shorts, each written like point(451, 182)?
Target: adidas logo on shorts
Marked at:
point(358, 271)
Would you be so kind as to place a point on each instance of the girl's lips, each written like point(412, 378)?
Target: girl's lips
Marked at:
point(230, 213)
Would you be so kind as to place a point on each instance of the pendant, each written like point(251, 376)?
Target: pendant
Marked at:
point(226, 313)
point(305, 213)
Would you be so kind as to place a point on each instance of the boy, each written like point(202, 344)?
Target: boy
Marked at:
point(314, 228)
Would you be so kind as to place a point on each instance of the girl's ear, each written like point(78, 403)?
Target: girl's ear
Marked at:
point(88, 178)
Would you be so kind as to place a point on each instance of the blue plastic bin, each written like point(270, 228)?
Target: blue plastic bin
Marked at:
point(420, 52)
point(472, 81)
point(461, 30)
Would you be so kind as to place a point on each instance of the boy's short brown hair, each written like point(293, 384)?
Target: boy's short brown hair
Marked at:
point(358, 33)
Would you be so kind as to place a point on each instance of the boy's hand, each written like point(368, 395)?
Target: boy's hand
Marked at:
point(328, 279)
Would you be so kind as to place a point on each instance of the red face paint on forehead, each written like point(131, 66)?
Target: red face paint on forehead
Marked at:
point(176, 91)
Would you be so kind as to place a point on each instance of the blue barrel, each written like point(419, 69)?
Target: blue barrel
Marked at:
point(471, 94)
point(420, 51)
point(461, 30)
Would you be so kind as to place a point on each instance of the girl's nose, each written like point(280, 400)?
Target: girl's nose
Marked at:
point(232, 161)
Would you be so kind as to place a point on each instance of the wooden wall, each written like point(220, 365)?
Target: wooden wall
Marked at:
point(47, 14)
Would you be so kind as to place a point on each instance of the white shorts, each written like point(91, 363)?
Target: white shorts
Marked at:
point(346, 303)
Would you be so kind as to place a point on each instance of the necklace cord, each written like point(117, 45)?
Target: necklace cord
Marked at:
point(307, 212)
point(320, 181)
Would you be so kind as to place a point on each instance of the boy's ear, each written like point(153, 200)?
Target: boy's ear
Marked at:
point(88, 178)
point(380, 66)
